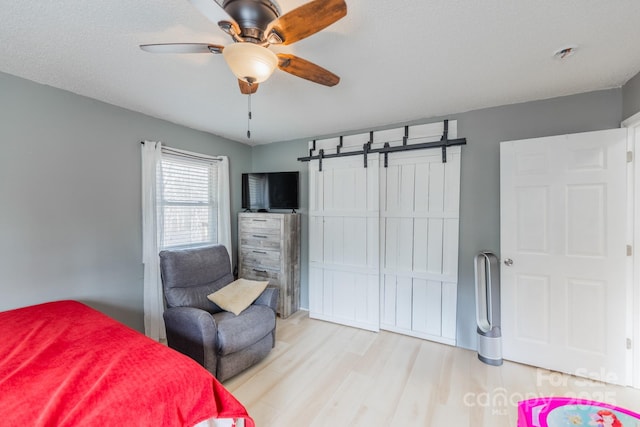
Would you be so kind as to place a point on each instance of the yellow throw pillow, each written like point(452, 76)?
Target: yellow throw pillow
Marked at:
point(238, 295)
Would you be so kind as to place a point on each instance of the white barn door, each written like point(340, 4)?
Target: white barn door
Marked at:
point(383, 241)
point(343, 241)
point(564, 253)
point(419, 239)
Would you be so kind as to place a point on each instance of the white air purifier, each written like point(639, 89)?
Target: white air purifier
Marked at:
point(487, 272)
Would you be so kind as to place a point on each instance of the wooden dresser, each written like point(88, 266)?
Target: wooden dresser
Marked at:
point(269, 249)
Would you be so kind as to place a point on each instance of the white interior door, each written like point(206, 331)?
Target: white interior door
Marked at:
point(563, 236)
point(343, 241)
point(633, 145)
point(420, 197)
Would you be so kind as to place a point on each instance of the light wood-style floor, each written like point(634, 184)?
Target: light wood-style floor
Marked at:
point(322, 374)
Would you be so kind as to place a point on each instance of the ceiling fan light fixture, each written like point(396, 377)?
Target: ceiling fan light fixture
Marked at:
point(250, 62)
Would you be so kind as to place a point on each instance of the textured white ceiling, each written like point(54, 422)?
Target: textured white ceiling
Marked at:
point(399, 60)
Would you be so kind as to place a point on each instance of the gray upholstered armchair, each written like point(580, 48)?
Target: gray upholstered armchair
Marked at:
point(222, 342)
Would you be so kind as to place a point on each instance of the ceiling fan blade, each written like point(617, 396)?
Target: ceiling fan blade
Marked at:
point(182, 48)
point(307, 19)
point(307, 70)
point(247, 88)
point(215, 13)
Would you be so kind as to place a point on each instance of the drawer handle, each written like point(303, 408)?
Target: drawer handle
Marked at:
point(260, 271)
point(259, 252)
point(259, 220)
point(259, 237)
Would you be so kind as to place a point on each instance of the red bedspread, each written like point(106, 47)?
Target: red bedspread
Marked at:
point(65, 364)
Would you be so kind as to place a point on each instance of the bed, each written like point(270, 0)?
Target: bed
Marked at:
point(65, 364)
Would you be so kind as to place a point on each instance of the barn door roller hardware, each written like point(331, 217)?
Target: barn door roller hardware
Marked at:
point(387, 149)
point(312, 149)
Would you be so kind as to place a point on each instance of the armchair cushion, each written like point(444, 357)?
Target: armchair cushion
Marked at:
point(238, 332)
point(238, 295)
point(189, 275)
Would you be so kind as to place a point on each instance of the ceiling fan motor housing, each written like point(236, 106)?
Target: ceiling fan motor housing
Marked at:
point(253, 17)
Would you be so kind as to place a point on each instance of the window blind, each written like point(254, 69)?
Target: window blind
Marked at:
point(188, 205)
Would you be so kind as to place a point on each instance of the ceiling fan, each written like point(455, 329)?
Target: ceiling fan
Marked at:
point(254, 25)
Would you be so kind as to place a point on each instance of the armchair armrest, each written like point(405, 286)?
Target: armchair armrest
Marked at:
point(192, 332)
point(269, 297)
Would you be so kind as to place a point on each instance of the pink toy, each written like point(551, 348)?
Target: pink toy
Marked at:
point(567, 411)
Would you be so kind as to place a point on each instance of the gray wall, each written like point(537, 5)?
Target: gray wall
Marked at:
point(631, 97)
point(70, 210)
point(480, 185)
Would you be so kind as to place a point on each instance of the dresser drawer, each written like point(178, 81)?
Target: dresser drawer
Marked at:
point(263, 259)
point(260, 240)
point(258, 273)
point(261, 225)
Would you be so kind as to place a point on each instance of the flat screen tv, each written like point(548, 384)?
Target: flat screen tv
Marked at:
point(270, 190)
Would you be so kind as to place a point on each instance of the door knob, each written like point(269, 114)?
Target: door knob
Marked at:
point(508, 262)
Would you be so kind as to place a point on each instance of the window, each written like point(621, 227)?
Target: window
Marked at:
point(187, 205)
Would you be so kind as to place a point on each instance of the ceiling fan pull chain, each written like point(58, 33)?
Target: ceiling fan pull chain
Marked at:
point(249, 115)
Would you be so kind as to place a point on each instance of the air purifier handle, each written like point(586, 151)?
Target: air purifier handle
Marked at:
point(487, 291)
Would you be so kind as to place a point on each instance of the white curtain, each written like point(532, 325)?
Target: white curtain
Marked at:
point(224, 205)
point(152, 223)
point(152, 294)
